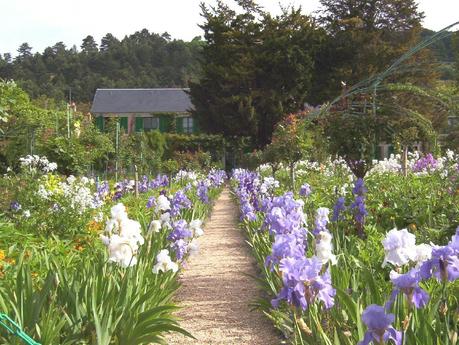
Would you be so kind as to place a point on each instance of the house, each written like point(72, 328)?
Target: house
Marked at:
point(166, 110)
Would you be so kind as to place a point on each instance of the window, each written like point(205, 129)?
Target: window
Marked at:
point(188, 125)
point(150, 123)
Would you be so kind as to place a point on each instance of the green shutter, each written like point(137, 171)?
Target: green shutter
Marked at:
point(166, 123)
point(123, 123)
point(179, 124)
point(100, 123)
point(162, 124)
point(195, 126)
point(139, 124)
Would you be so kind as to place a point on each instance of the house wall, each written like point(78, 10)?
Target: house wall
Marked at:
point(131, 123)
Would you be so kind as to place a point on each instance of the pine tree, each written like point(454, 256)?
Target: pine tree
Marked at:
point(24, 51)
point(364, 38)
point(256, 68)
point(89, 45)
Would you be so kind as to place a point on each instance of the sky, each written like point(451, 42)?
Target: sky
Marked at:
point(42, 23)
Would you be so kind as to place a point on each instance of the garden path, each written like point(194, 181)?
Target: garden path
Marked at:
point(216, 291)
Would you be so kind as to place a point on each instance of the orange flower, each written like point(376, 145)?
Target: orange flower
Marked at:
point(10, 261)
point(79, 247)
point(94, 226)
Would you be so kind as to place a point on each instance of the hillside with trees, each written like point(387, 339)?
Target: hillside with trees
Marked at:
point(140, 60)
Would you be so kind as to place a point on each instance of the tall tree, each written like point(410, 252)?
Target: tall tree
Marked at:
point(140, 60)
point(24, 51)
point(89, 45)
point(108, 41)
point(255, 69)
point(364, 37)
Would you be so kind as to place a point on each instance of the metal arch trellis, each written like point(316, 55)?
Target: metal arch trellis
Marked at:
point(14, 329)
point(373, 84)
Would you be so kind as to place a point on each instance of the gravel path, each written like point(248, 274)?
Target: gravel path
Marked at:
point(215, 291)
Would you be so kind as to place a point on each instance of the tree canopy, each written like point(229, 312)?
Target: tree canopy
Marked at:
point(140, 60)
point(256, 67)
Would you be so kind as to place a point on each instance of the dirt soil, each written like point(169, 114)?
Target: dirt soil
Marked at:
point(216, 291)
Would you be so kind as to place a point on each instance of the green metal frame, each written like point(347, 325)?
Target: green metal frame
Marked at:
point(13, 328)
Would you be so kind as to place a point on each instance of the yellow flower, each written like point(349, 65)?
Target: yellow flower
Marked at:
point(2, 254)
point(94, 226)
point(10, 261)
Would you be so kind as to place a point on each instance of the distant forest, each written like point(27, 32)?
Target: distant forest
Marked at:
point(141, 60)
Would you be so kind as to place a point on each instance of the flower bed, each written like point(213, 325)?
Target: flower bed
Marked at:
point(86, 262)
point(334, 271)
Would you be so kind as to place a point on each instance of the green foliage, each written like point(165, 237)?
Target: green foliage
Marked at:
point(142, 59)
point(376, 109)
point(424, 204)
point(214, 144)
point(76, 155)
point(364, 37)
point(255, 69)
point(59, 285)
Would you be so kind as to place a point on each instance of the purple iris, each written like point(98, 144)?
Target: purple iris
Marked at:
point(180, 231)
point(379, 325)
point(179, 201)
point(285, 216)
point(202, 191)
point(338, 209)
point(360, 211)
point(143, 184)
point(15, 206)
point(358, 206)
point(151, 202)
point(359, 187)
point(408, 284)
point(118, 191)
point(305, 190)
point(180, 247)
point(285, 245)
point(159, 181)
point(216, 177)
point(248, 212)
point(321, 220)
point(303, 284)
point(444, 264)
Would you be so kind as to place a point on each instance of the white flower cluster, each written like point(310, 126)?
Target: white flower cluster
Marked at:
point(164, 262)
point(183, 175)
point(37, 164)
point(79, 194)
point(387, 165)
point(324, 248)
point(76, 193)
point(269, 185)
point(400, 248)
point(163, 204)
point(123, 237)
point(196, 227)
